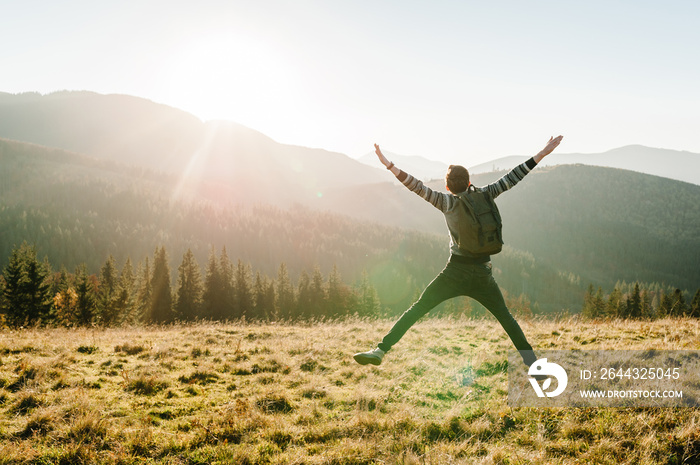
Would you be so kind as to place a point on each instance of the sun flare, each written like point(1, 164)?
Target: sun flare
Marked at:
point(234, 78)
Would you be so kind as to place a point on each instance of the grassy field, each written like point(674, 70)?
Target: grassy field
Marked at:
point(266, 393)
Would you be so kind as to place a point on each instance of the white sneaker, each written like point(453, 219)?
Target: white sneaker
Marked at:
point(373, 356)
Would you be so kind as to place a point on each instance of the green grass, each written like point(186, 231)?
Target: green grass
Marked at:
point(271, 393)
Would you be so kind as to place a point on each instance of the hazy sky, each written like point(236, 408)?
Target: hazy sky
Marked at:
point(461, 81)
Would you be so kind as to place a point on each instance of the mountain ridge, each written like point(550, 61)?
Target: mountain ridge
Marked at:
point(230, 164)
point(680, 165)
point(418, 166)
point(135, 130)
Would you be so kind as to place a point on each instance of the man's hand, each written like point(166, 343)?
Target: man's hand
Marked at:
point(381, 156)
point(551, 145)
point(394, 170)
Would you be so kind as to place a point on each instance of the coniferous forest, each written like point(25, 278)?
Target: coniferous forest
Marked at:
point(32, 293)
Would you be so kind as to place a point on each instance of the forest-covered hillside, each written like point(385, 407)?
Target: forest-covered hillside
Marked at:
point(601, 224)
point(143, 175)
point(77, 210)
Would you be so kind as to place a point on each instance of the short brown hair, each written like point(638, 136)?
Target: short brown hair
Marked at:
point(457, 179)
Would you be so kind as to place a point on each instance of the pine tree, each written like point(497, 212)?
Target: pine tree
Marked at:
point(229, 310)
point(303, 300)
point(589, 310)
point(678, 305)
point(616, 306)
point(339, 302)
point(270, 301)
point(188, 305)
point(243, 303)
point(3, 302)
point(646, 304)
point(27, 292)
point(143, 300)
point(60, 282)
point(654, 304)
point(86, 306)
point(634, 308)
point(262, 309)
point(319, 299)
point(599, 303)
point(368, 300)
point(665, 305)
point(161, 308)
point(106, 292)
point(695, 305)
point(214, 300)
point(285, 294)
point(65, 300)
point(124, 297)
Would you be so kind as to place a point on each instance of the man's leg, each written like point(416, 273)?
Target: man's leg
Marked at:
point(489, 295)
point(440, 289)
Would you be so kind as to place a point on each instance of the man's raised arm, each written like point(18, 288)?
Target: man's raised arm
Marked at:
point(519, 172)
point(439, 200)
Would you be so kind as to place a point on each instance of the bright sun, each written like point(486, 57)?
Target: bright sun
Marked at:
point(232, 78)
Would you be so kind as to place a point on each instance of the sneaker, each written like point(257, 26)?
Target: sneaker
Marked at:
point(373, 356)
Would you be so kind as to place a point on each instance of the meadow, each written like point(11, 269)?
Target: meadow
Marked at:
point(249, 393)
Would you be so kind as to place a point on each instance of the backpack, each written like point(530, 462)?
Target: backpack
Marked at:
point(479, 223)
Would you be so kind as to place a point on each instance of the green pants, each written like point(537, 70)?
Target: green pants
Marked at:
point(460, 278)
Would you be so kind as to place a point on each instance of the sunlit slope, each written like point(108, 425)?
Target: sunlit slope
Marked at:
point(226, 161)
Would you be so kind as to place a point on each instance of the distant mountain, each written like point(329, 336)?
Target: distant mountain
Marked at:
point(590, 223)
point(420, 167)
point(499, 164)
point(122, 128)
point(672, 164)
point(224, 160)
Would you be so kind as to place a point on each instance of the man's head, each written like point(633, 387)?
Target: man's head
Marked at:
point(457, 179)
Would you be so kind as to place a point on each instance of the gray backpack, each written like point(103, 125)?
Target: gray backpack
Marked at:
point(479, 223)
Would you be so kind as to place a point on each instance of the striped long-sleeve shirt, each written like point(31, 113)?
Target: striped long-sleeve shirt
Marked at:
point(447, 203)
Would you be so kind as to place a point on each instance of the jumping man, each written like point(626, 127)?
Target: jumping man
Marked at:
point(465, 274)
